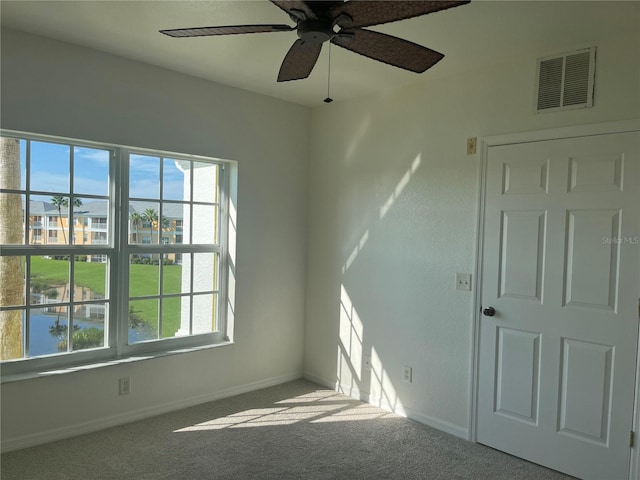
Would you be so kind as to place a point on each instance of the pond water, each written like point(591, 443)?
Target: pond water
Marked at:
point(41, 342)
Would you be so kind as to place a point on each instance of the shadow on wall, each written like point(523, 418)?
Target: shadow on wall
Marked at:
point(361, 371)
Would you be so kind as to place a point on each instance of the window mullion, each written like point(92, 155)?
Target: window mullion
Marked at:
point(120, 271)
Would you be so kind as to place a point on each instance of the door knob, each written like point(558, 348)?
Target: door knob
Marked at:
point(489, 312)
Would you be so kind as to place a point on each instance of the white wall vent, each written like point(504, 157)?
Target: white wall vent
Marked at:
point(566, 81)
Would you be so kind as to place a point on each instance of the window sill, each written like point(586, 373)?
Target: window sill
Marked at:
point(108, 363)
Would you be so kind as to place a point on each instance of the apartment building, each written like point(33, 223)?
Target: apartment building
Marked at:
point(50, 226)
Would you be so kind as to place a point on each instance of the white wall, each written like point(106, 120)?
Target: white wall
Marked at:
point(54, 88)
point(392, 218)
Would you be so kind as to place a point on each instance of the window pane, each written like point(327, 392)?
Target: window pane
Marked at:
point(205, 227)
point(173, 180)
point(143, 223)
point(173, 308)
point(11, 218)
point(88, 325)
point(205, 182)
point(144, 176)
point(144, 275)
point(90, 279)
point(91, 171)
point(49, 165)
point(37, 223)
point(49, 280)
point(143, 320)
point(12, 268)
point(173, 214)
point(204, 313)
point(90, 221)
point(48, 329)
point(205, 272)
point(171, 275)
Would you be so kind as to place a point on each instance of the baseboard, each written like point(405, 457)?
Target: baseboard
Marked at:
point(439, 424)
point(383, 403)
point(320, 380)
point(47, 436)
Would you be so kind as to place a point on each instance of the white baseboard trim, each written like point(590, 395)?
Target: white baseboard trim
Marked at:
point(437, 423)
point(320, 380)
point(52, 435)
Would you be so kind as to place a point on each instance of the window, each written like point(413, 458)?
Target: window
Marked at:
point(90, 301)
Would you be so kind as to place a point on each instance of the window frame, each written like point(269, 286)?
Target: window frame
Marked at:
point(117, 251)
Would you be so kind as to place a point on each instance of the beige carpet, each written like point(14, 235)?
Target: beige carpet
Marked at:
point(297, 430)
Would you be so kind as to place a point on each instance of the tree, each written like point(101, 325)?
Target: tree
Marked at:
point(11, 267)
point(59, 202)
point(150, 216)
point(135, 218)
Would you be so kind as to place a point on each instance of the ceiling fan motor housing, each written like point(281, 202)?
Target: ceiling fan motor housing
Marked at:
point(315, 31)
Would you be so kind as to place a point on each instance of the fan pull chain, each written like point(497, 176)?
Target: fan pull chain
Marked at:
point(329, 99)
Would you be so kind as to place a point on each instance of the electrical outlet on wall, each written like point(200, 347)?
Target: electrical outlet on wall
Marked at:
point(366, 361)
point(124, 385)
point(463, 281)
point(407, 374)
point(471, 145)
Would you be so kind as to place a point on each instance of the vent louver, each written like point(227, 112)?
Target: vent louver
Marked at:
point(566, 81)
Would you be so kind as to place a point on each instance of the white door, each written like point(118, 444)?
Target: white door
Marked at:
point(561, 269)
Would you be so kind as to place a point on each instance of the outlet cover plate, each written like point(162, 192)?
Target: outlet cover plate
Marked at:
point(366, 360)
point(463, 281)
point(407, 374)
point(124, 385)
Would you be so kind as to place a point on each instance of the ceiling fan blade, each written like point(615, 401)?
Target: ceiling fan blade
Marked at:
point(295, 5)
point(365, 13)
point(299, 61)
point(229, 30)
point(387, 49)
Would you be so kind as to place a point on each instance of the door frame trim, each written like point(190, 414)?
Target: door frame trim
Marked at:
point(529, 137)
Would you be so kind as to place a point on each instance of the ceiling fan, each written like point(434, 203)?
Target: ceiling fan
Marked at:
point(340, 23)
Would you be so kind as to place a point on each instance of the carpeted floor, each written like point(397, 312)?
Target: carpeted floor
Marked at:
point(297, 430)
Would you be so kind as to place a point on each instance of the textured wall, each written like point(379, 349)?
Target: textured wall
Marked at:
point(54, 88)
point(392, 218)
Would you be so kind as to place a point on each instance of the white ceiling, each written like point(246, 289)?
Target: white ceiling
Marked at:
point(470, 36)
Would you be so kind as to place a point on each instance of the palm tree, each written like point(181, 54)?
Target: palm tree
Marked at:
point(11, 268)
point(135, 219)
point(76, 203)
point(150, 216)
point(59, 202)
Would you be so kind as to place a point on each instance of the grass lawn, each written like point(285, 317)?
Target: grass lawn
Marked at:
point(143, 280)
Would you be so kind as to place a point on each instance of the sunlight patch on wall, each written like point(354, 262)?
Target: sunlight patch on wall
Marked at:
point(355, 252)
point(382, 392)
point(351, 337)
point(356, 138)
point(404, 181)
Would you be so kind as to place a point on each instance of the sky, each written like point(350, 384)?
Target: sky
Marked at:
point(51, 165)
